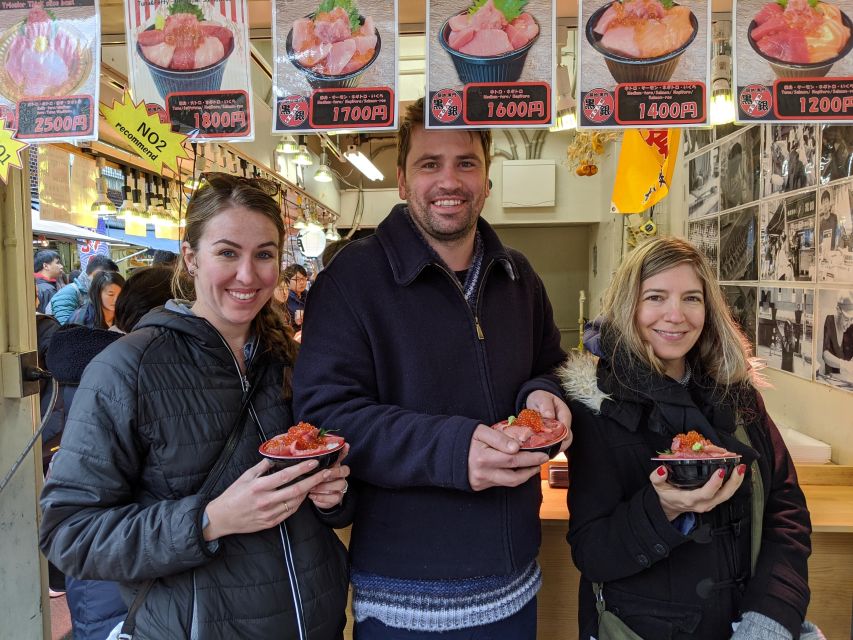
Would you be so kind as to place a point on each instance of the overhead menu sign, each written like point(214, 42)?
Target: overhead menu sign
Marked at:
point(335, 65)
point(643, 63)
point(189, 61)
point(490, 63)
point(793, 60)
point(49, 62)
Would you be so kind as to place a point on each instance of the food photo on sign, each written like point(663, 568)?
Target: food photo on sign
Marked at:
point(645, 63)
point(792, 60)
point(191, 60)
point(49, 62)
point(334, 64)
point(490, 62)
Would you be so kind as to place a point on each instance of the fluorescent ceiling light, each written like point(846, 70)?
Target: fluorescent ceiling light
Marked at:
point(363, 163)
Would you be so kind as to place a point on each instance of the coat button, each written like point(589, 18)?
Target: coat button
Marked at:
point(660, 549)
point(643, 560)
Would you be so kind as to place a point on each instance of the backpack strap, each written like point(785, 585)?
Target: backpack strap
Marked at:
point(757, 524)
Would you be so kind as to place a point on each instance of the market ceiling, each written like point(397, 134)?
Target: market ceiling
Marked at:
point(412, 13)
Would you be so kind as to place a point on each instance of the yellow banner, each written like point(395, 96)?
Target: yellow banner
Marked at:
point(10, 151)
point(646, 163)
point(146, 134)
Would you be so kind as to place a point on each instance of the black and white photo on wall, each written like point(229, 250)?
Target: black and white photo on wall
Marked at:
point(739, 244)
point(836, 153)
point(786, 329)
point(788, 238)
point(742, 302)
point(835, 233)
point(790, 154)
point(695, 140)
point(740, 168)
point(834, 354)
point(704, 184)
point(705, 236)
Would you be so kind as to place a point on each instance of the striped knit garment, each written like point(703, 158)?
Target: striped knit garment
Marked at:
point(443, 605)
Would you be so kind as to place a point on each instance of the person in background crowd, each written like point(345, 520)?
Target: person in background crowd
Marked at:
point(47, 270)
point(99, 311)
point(96, 606)
point(164, 258)
point(676, 563)
point(332, 249)
point(827, 223)
point(419, 337)
point(296, 277)
point(838, 332)
point(255, 557)
point(68, 299)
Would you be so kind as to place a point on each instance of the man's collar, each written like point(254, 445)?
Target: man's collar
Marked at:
point(408, 254)
point(41, 276)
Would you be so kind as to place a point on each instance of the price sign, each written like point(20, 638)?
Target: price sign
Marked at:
point(223, 115)
point(660, 103)
point(56, 118)
point(521, 103)
point(352, 108)
point(824, 99)
point(10, 151)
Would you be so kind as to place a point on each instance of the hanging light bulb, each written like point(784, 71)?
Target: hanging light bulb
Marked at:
point(722, 101)
point(287, 146)
point(332, 234)
point(102, 206)
point(324, 172)
point(303, 158)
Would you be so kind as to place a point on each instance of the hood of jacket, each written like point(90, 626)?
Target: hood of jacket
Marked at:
point(408, 253)
point(83, 282)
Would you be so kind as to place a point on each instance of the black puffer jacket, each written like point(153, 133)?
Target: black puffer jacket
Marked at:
point(665, 585)
point(149, 420)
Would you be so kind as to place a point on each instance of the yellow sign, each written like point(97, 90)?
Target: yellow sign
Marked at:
point(147, 135)
point(646, 164)
point(10, 151)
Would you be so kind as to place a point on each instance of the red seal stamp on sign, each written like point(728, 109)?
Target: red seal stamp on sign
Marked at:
point(598, 105)
point(755, 101)
point(446, 106)
point(293, 110)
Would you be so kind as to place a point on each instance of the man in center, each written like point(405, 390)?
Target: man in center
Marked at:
point(421, 336)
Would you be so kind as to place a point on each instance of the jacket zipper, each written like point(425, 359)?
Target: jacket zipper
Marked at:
point(282, 528)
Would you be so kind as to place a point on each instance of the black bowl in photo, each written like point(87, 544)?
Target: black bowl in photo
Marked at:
point(625, 69)
point(506, 67)
point(692, 473)
point(323, 81)
point(784, 69)
point(325, 460)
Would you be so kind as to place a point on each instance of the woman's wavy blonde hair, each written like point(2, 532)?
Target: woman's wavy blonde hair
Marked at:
point(722, 349)
point(219, 192)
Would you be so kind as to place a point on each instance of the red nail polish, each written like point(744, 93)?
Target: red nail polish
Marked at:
point(741, 469)
point(661, 471)
point(721, 473)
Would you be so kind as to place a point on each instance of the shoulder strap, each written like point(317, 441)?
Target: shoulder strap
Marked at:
point(128, 627)
point(757, 523)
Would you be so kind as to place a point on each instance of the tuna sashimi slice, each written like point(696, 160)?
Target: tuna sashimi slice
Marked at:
point(488, 42)
point(773, 25)
point(365, 44)
point(368, 28)
point(223, 34)
point(332, 27)
point(210, 52)
point(789, 46)
point(160, 54)
point(522, 30)
point(460, 22)
point(303, 34)
point(183, 59)
point(621, 40)
point(609, 15)
point(314, 55)
point(339, 56)
point(459, 39)
point(768, 11)
point(488, 17)
point(151, 37)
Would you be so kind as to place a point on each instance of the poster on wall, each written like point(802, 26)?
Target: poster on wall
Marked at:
point(788, 251)
point(792, 60)
point(739, 245)
point(786, 329)
point(704, 184)
point(835, 234)
point(834, 353)
point(694, 140)
point(189, 62)
point(705, 236)
point(646, 63)
point(742, 302)
point(792, 153)
point(334, 65)
point(740, 168)
point(49, 62)
point(490, 63)
point(836, 153)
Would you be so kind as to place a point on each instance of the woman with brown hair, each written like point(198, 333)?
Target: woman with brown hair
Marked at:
point(667, 562)
point(161, 488)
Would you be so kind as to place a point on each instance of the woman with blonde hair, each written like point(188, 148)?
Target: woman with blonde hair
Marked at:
point(161, 487)
point(672, 563)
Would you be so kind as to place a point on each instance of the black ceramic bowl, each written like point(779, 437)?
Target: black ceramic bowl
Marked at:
point(625, 69)
point(691, 473)
point(323, 81)
point(784, 69)
point(506, 67)
point(325, 459)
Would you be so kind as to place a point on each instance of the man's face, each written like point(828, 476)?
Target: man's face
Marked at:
point(825, 207)
point(53, 269)
point(445, 182)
